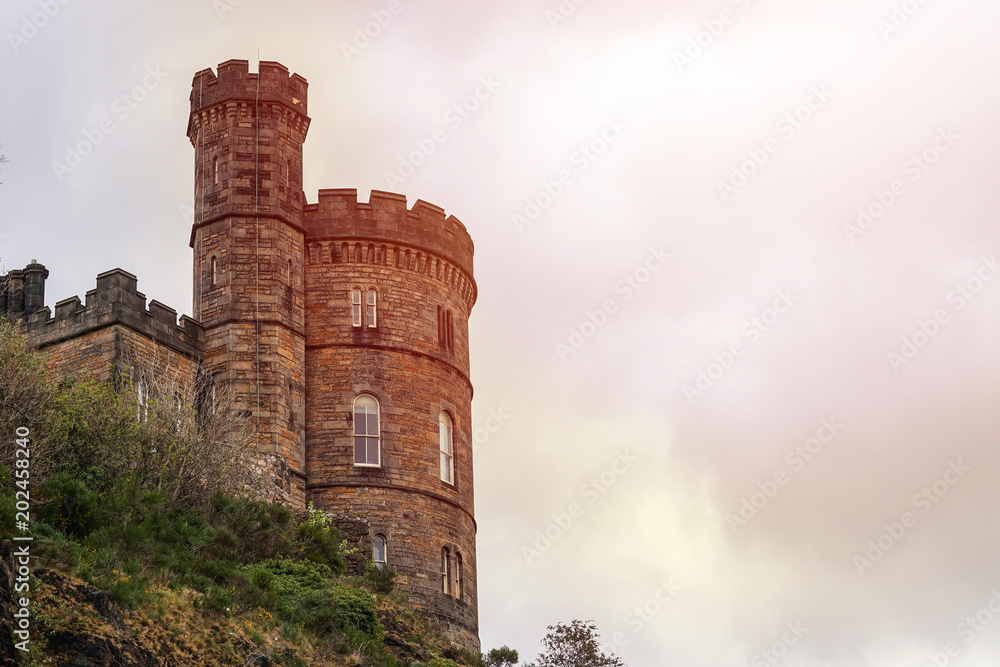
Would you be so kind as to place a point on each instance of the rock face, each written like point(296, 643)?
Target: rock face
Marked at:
point(78, 625)
point(80, 650)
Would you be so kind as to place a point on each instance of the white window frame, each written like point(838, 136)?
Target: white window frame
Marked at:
point(385, 551)
point(369, 406)
point(445, 571)
point(356, 307)
point(446, 443)
point(371, 308)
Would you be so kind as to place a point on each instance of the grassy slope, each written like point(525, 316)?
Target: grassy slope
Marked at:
point(209, 586)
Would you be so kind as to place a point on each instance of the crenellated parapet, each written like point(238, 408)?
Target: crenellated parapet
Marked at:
point(235, 87)
point(247, 130)
point(384, 232)
point(115, 301)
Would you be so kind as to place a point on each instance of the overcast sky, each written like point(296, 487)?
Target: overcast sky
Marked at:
point(737, 262)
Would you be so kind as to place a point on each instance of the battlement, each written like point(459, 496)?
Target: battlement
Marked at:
point(116, 300)
point(235, 82)
point(385, 218)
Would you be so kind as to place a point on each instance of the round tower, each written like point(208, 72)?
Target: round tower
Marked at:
point(247, 131)
point(388, 418)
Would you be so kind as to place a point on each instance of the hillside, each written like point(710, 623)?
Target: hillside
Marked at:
point(305, 614)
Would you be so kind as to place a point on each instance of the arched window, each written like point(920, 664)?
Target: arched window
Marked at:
point(447, 444)
point(356, 307)
point(456, 588)
point(372, 296)
point(445, 571)
point(378, 551)
point(366, 431)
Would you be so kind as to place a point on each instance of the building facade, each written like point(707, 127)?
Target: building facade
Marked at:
point(341, 328)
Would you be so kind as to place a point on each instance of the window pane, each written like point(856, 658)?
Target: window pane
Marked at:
point(371, 297)
point(372, 451)
point(359, 450)
point(356, 296)
point(446, 467)
point(379, 549)
point(372, 419)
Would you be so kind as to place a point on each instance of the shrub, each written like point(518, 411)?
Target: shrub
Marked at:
point(379, 579)
point(69, 505)
point(321, 540)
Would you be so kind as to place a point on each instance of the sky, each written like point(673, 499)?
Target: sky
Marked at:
point(735, 350)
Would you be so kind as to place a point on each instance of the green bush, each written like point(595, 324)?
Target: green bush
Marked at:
point(321, 540)
point(379, 579)
point(69, 505)
point(336, 608)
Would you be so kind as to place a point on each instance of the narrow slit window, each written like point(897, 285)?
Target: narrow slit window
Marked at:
point(215, 271)
point(215, 170)
point(447, 446)
point(456, 588)
point(450, 333)
point(178, 409)
point(440, 326)
point(372, 297)
point(356, 308)
point(366, 431)
point(142, 401)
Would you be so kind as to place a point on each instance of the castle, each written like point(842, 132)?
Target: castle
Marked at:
point(341, 327)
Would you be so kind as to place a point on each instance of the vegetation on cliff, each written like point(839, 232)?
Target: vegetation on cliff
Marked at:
point(152, 544)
